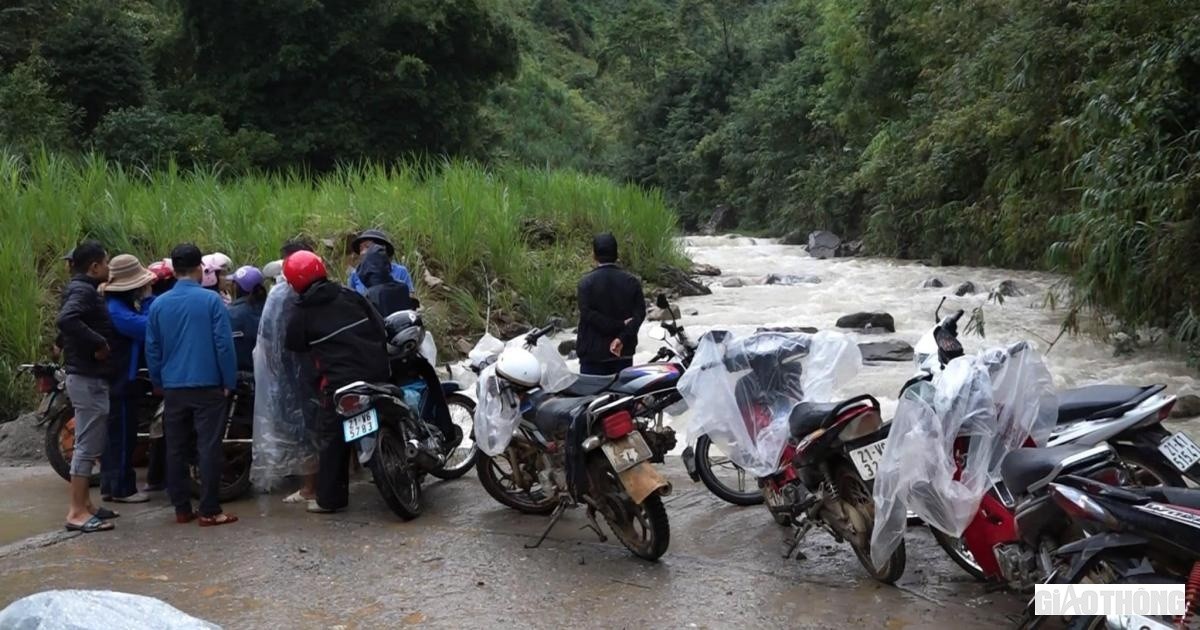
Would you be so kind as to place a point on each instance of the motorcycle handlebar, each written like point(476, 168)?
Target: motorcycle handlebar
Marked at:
point(532, 338)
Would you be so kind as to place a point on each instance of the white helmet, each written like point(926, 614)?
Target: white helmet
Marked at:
point(519, 366)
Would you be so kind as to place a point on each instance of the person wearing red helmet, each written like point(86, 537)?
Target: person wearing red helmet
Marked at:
point(346, 336)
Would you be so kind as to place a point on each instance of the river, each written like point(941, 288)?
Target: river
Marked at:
point(849, 285)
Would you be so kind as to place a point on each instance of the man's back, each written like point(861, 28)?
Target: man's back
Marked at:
point(611, 306)
point(343, 331)
point(189, 343)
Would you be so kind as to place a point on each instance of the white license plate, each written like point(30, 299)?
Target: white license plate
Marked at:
point(363, 424)
point(1181, 450)
point(867, 458)
point(626, 452)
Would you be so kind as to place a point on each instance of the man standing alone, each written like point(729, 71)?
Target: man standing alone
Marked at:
point(611, 309)
point(190, 353)
point(85, 335)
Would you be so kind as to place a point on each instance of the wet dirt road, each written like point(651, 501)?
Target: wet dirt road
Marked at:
point(463, 564)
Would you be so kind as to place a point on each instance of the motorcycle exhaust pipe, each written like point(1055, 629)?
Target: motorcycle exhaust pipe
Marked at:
point(424, 458)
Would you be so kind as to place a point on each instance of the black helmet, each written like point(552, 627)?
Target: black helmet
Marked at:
point(374, 235)
point(405, 332)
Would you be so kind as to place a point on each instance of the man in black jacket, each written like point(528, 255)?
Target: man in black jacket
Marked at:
point(86, 335)
point(347, 338)
point(611, 309)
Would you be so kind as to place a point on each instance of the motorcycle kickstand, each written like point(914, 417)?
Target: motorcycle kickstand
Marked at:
point(554, 516)
point(593, 525)
point(801, 532)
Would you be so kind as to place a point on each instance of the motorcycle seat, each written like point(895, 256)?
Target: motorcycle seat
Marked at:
point(1030, 469)
point(555, 414)
point(590, 384)
point(1100, 401)
point(808, 417)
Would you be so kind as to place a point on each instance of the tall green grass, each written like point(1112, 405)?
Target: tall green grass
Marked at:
point(459, 221)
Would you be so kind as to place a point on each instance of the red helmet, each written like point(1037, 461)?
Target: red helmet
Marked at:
point(162, 270)
point(302, 269)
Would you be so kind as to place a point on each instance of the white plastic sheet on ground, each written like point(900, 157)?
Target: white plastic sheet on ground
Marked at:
point(995, 400)
point(284, 443)
point(742, 391)
point(498, 411)
point(93, 610)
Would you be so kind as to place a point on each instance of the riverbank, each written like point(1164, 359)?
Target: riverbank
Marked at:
point(509, 243)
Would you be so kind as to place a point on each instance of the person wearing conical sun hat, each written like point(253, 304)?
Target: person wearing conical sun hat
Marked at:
point(127, 295)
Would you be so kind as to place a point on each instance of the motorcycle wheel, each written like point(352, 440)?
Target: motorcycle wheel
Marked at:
point(462, 413)
point(495, 475)
point(854, 490)
point(708, 466)
point(957, 550)
point(647, 533)
point(1149, 471)
point(401, 490)
point(235, 476)
point(60, 442)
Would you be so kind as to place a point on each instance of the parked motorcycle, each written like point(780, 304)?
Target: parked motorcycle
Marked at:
point(547, 452)
point(1133, 536)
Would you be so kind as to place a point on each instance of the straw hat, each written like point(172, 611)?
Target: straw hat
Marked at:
point(126, 273)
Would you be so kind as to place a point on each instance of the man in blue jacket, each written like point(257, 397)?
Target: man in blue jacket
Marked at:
point(361, 245)
point(190, 353)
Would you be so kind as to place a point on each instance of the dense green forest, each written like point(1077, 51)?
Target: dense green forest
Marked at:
point(1034, 133)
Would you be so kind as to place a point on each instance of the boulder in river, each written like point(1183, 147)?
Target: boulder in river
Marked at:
point(823, 244)
point(701, 269)
point(691, 312)
point(791, 280)
point(787, 329)
point(933, 283)
point(681, 283)
point(849, 249)
point(732, 283)
point(890, 350)
point(1123, 344)
point(966, 288)
point(1186, 406)
point(864, 320)
point(795, 237)
point(1009, 288)
point(656, 314)
point(566, 347)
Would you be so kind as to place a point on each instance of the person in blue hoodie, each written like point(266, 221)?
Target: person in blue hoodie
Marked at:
point(365, 243)
point(191, 356)
point(127, 295)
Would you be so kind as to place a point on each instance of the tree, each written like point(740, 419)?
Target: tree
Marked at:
point(31, 116)
point(350, 79)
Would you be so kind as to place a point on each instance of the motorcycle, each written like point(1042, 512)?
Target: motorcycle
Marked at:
point(1128, 419)
point(383, 423)
point(546, 453)
point(1134, 536)
point(58, 417)
point(822, 474)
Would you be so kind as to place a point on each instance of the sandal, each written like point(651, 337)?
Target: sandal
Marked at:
point(90, 526)
point(105, 514)
point(296, 497)
point(217, 519)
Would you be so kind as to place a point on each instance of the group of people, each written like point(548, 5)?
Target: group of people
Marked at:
point(193, 322)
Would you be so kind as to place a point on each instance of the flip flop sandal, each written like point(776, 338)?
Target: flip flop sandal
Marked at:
point(91, 526)
point(105, 514)
point(219, 519)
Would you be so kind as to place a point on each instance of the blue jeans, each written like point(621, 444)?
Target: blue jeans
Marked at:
point(117, 476)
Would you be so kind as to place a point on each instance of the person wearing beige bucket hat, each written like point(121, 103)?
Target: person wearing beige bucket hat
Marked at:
point(127, 294)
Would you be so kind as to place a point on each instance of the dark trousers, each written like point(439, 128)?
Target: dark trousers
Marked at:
point(117, 476)
point(333, 471)
point(604, 366)
point(203, 411)
point(156, 470)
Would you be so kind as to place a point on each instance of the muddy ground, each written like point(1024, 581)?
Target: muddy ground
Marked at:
point(463, 564)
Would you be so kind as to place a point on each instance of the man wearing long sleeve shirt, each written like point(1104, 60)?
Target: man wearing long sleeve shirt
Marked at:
point(611, 310)
point(190, 354)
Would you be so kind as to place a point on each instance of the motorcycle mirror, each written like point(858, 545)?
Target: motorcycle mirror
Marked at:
point(658, 332)
point(661, 301)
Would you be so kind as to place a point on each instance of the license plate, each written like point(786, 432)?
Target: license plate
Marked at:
point(1181, 451)
point(867, 458)
point(363, 424)
point(626, 452)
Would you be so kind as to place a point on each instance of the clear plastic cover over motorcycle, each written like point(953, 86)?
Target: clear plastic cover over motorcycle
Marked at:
point(498, 410)
point(284, 440)
point(742, 391)
point(995, 400)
